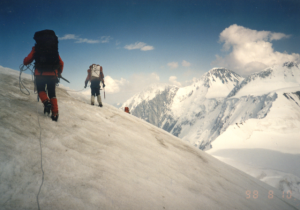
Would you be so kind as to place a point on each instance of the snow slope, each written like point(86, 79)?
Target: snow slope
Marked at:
point(104, 158)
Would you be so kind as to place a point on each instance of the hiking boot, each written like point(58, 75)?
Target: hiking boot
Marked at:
point(54, 117)
point(99, 100)
point(92, 104)
point(47, 107)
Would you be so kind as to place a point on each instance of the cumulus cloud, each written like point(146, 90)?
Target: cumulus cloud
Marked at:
point(250, 50)
point(173, 65)
point(154, 77)
point(139, 45)
point(173, 81)
point(119, 90)
point(103, 39)
point(114, 85)
point(185, 63)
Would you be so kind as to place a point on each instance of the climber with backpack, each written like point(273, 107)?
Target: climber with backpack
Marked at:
point(48, 68)
point(95, 76)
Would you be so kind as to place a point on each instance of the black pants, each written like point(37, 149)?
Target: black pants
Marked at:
point(50, 81)
point(95, 87)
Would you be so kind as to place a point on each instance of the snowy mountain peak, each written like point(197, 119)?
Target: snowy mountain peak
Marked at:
point(147, 94)
point(223, 74)
point(219, 82)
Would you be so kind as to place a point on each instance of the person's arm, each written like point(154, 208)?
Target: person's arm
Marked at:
point(102, 76)
point(30, 57)
point(87, 78)
point(61, 66)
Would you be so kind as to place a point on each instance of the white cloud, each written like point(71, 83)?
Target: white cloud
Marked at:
point(113, 85)
point(146, 48)
point(68, 36)
point(250, 50)
point(89, 41)
point(118, 42)
point(103, 39)
point(173, 81)
point(122, 89)
point(185, 63)
point(139, 45)
point(154, 76)
point(173, 65)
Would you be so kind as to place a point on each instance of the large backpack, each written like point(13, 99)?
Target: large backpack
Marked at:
point(46, 51)
point(96, 72)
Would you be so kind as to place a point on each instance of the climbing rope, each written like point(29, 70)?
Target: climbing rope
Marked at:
point(40, 140)
point(23, 68)
point(75, 90)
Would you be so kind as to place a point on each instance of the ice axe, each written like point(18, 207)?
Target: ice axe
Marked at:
point(59, 76)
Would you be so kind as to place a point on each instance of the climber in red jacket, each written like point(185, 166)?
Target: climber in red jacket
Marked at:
point(48, 67)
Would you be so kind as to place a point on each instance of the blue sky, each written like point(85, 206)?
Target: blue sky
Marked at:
point(164, 41)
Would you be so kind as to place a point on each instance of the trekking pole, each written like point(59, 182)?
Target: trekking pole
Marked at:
point(104, 92)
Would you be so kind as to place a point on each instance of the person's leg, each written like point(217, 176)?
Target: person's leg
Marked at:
point(41, 89)
point(99, 100)
point(92, 96)
point(94, 87)
point(99, 97)
point(51, 85)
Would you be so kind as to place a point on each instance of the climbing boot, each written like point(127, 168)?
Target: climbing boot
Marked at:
point(54, 117)
point(47, 107)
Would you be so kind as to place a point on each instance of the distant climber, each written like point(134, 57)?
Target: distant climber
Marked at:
point(48, 67)
point(95, 76)
point(127, 110)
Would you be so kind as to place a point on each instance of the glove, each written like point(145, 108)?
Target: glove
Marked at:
point(85, 86)
point(103, 85)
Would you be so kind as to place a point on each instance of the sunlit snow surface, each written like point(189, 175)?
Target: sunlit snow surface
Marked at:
point(267, 148)
point(261, 128)
point(104, 158)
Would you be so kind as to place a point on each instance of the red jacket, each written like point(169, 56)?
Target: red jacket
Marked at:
point(30, 58)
